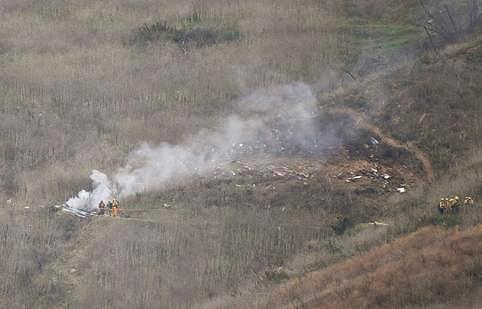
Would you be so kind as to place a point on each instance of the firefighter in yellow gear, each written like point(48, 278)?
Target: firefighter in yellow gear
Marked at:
point(468, 201)
point(447, 205)
point(115, 208)
point(443, 205)
point(455, 204)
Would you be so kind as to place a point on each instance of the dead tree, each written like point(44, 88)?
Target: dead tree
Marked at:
point(437, 24)
point(474, 15)
point(445, 26)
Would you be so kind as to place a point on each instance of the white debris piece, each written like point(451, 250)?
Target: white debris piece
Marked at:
point(354, 178)
point(374, 141)
point(376, 223)
point(76, 212)
point(386, 176)
point(402, 190)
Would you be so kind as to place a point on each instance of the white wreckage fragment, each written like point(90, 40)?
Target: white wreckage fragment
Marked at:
point(376, 223)
point(374, 141)
point(75, 211)
point(353, 178)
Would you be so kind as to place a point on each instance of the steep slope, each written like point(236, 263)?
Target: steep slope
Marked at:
point(428, 267)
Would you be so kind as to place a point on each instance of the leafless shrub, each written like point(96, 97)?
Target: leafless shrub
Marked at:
point(446, 25)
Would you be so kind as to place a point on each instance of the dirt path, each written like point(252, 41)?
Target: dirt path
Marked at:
point(363, 123)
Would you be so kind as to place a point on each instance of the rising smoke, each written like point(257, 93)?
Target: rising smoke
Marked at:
point(274, 120)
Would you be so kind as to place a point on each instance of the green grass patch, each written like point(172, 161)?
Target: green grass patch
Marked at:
point(354, 230)
point(386, 36)
point(343, 225)
point(190, 32)
point(449, 220)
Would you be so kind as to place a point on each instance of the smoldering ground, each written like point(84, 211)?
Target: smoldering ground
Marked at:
point(269, 121)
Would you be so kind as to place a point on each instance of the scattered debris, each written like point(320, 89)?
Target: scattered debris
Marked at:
point(402, 190)
point(166, 205)
point(303, 174)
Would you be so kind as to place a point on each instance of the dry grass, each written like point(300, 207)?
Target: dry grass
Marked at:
point(71, 84)
point(75, 95)
point(429, 266)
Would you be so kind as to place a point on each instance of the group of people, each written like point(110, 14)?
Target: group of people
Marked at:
point(109, 209)
point(453, 204)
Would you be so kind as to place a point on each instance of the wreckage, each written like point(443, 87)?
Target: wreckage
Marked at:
point(82, 213)
point(74, 211)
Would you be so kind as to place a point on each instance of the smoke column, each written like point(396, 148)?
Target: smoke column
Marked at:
point(267, 121)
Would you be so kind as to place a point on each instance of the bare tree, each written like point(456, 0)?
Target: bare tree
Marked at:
point(474, 14)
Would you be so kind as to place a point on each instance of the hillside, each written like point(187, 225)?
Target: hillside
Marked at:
point(266, 154)
point(429, 267)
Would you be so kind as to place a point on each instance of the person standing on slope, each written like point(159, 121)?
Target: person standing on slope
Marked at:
point(109, 208)
point(101, 208)
point(115, 208)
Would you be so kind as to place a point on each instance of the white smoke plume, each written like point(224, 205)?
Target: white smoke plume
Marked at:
point(89, 200)
point(268, 121)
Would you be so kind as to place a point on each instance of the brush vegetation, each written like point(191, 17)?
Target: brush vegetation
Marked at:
point(83, 82)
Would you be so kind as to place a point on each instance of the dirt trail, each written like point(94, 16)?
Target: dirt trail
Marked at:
point(363, 123)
